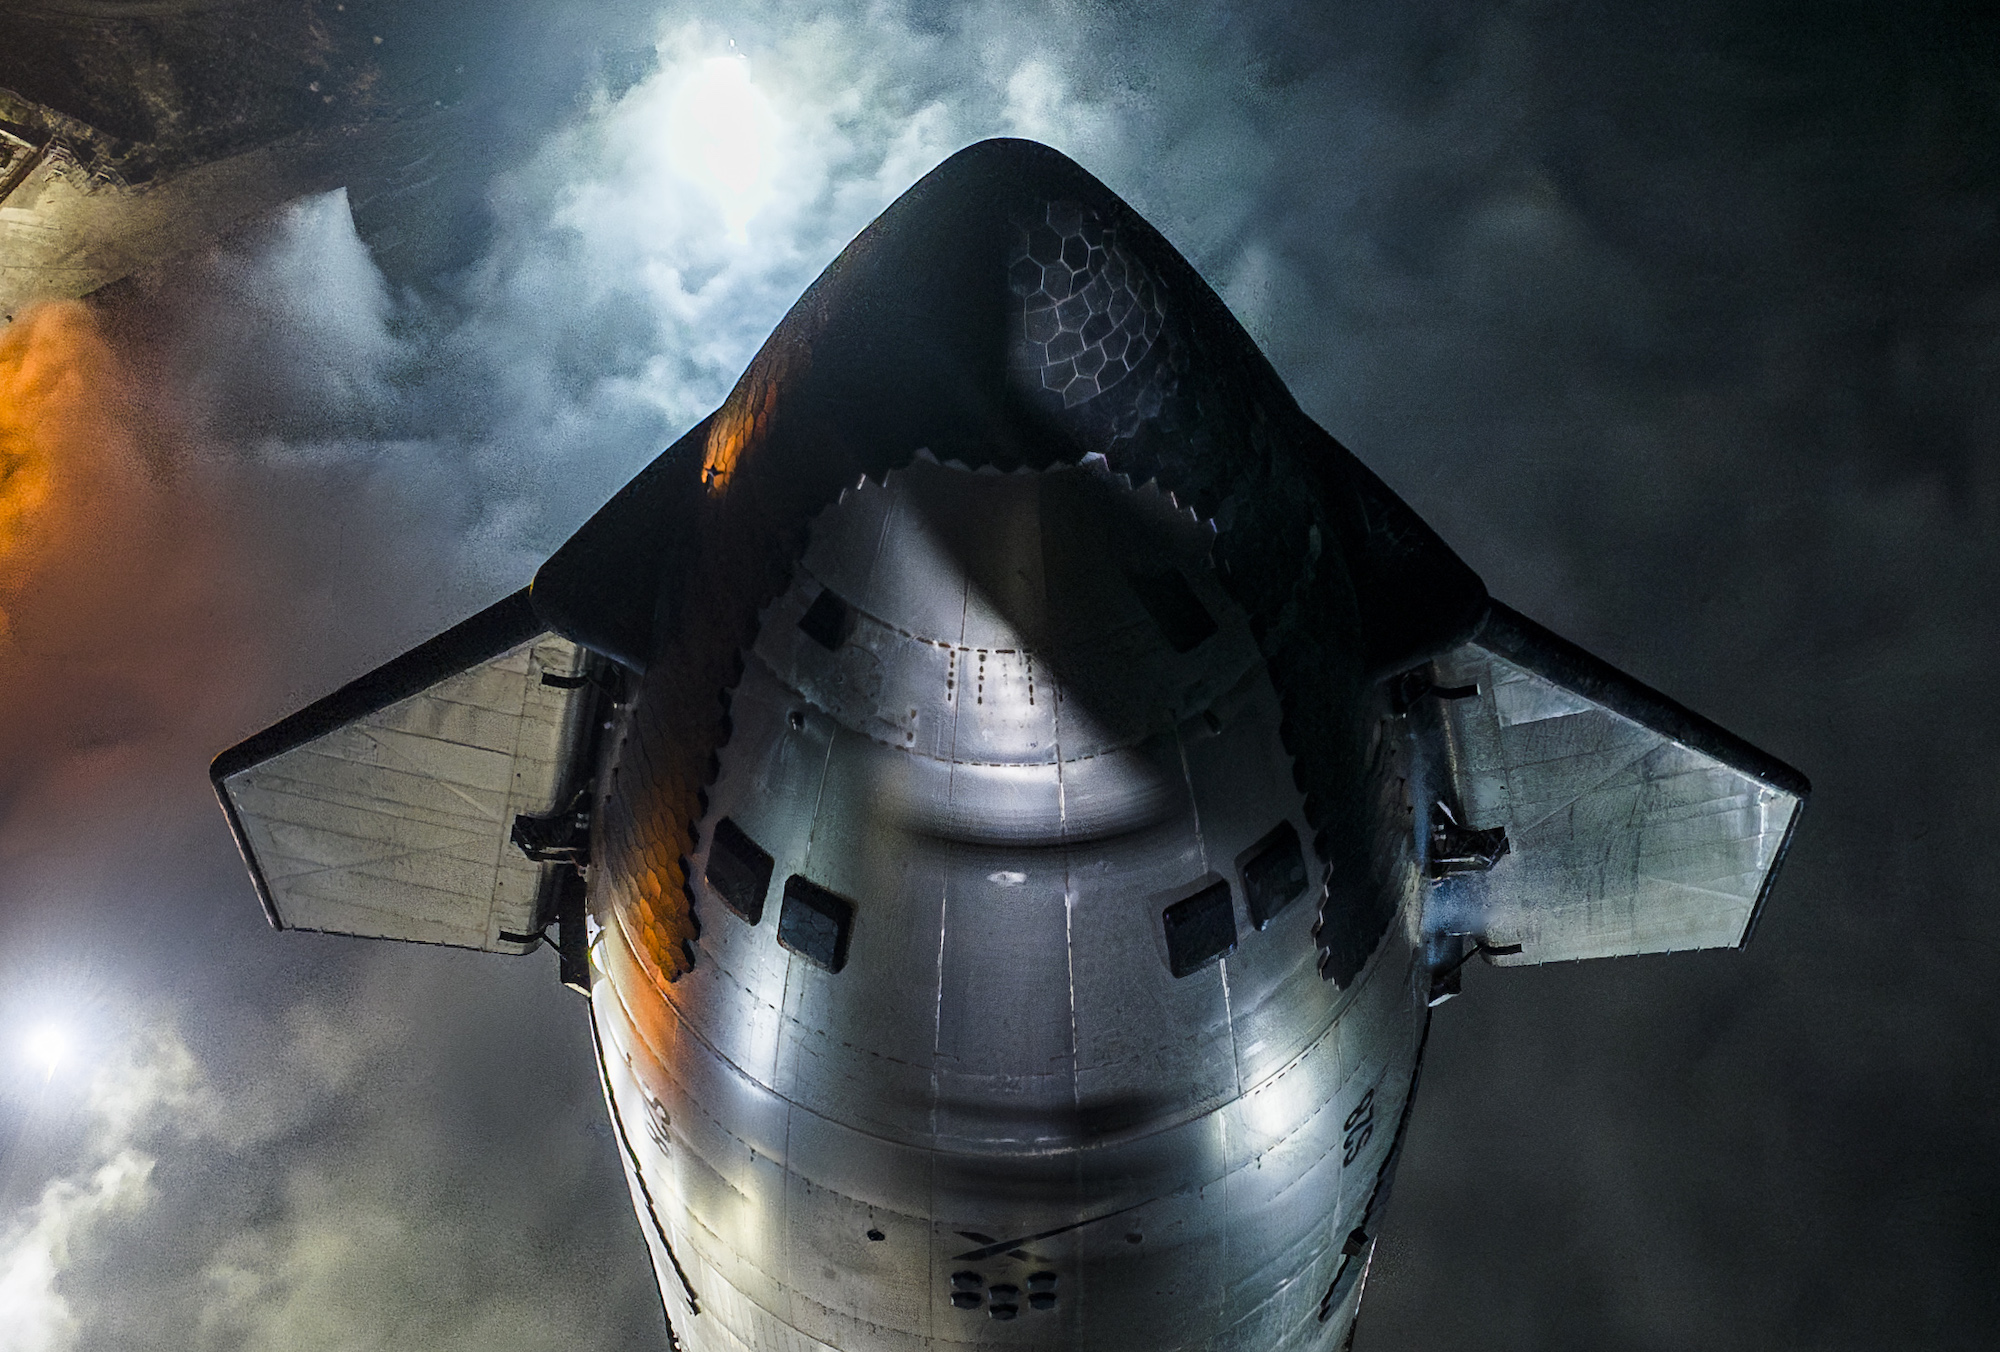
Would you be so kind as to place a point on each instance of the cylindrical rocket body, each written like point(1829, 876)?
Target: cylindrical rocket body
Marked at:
point(1004, 1024)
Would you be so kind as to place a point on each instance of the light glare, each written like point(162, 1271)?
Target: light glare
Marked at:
point(721, 132)
point(46, 1047)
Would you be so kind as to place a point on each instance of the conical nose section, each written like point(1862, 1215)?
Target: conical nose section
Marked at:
point(1009, 309)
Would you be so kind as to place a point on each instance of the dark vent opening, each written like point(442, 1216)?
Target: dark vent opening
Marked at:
point(1184, 622)
point(1274, 873)
point(738, 871)
point(828, 620)
point(1200, 928)
point(814, 923)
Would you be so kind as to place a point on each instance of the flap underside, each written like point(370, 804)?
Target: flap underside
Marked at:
point(1632, 826)
point(386, 809)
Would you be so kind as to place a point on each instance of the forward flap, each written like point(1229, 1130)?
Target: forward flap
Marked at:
point(1631, 825)
point(386, 810)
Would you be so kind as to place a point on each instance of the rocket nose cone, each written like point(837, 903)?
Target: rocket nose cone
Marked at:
point(1009, 309)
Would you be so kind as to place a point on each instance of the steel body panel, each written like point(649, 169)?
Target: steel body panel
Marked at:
point(1236, 1252)
point(1006, 1053)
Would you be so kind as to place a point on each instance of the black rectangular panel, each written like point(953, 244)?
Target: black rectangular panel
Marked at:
point(739, 872)
point(814, 923)
point(1183, 620)
point(828, 620)
point(1200, 928)
point(1274, 873)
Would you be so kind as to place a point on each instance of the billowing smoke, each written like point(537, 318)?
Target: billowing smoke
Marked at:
point(60, 385)
point(40, 1318)
point(136, 1093)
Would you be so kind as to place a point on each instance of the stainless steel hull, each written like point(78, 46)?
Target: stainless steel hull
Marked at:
point(1005, 1120)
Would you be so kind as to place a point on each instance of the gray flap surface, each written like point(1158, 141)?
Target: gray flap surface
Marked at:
point(395, 821)
point(1633, 825)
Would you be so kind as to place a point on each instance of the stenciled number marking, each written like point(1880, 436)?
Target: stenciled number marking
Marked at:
point(1359, 1128)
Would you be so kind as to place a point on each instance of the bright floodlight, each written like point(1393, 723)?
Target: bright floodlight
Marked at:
point(720, 133)
point(47, 1046)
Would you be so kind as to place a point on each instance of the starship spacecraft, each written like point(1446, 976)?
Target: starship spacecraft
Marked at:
point(1012, 789)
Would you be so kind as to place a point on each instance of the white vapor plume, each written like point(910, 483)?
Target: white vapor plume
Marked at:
point(34, 1315)
point(145, 1086)
point(639, 256)
point(413, 1155)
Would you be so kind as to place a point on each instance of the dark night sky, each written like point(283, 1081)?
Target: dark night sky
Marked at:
point(1681, 323)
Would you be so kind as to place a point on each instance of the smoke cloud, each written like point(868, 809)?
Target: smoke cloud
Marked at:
point(144, 1086)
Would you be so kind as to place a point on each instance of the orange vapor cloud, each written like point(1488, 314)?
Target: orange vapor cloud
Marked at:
point(62, 417)
point(108, 594)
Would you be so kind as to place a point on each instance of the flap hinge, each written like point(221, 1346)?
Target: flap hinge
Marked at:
point(1460, 849)
point(560, 837)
